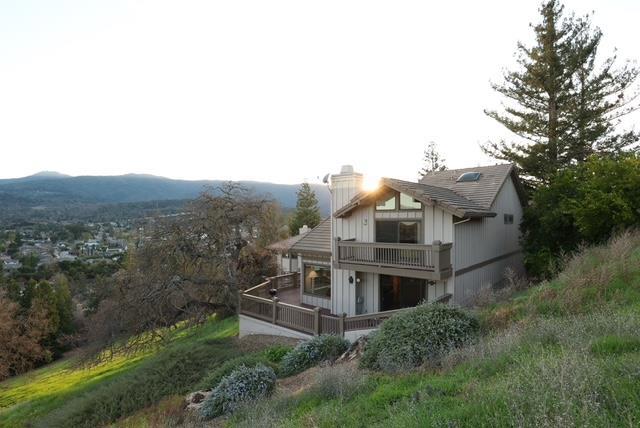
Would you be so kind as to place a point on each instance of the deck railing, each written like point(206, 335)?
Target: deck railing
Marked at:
point(434, 261)
point(306, 320)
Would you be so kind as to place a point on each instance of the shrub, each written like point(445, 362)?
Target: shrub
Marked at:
point(213, 378)
point(416, 336)
point(276, 353)
point(309, 353)
point(242, 385)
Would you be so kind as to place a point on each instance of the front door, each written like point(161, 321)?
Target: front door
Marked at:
point(397, 292)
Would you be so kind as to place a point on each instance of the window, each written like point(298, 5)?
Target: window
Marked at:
point(386, 204)
point(409, 203)
point(469, 176)
point(390, 203)
point(407, 232)
point(317, 280)
point(508, 219)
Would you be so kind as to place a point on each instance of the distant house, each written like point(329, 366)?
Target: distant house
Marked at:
point(9, 264)
point(286, 260)
point(443, 238)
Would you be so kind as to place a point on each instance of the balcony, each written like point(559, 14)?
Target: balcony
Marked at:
point(432, 262)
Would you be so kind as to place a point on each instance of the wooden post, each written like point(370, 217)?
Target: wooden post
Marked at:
point(435, 256)
point(341, 320)
point(274, 315)
point(317, 324)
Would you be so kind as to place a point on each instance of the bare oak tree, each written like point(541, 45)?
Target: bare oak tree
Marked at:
point(187, 268)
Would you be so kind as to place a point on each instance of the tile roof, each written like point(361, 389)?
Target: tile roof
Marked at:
point(317, 241)
point(431, 195)
point(484, 191)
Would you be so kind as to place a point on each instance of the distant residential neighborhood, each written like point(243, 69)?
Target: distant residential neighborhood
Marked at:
point(42, 245)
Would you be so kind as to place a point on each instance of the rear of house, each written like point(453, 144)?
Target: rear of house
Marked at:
point(403, 243)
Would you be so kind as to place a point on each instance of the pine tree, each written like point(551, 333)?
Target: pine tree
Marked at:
point(433, 161)
point(307, 211)
point(560, 101)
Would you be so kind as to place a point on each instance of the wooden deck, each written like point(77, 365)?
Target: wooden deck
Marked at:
point(287, 310)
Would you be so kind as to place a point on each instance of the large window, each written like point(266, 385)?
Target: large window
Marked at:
point(317, 280)
point(405, 232)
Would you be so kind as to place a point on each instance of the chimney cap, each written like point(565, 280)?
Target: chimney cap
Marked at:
point(346, 169)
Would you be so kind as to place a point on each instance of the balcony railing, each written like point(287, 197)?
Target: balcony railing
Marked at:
point(424, 261)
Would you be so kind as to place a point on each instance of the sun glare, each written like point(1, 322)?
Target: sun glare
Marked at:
point(370, 183)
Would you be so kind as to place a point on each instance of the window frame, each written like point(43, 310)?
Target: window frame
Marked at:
point(315, 266)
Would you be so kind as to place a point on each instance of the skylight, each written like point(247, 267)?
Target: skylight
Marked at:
point(468, 176)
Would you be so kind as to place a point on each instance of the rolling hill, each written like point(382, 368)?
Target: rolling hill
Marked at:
point(52, 190)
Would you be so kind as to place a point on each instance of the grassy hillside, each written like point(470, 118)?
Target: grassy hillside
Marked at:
point(65, 394)
point(563, 353)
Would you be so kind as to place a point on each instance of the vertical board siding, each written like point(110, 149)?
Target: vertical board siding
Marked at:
point(483, 239)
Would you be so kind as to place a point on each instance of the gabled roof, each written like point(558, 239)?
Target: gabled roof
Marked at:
point(317, 241)
point(484, 191)
point(442, 197)
point(285, 245)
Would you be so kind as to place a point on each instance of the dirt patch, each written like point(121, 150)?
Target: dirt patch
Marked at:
point(257, 342)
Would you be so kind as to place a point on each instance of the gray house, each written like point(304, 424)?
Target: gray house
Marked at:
point(380, 251)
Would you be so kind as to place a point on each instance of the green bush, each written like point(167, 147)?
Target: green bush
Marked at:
point(581, 205)
point(412, 338)
point(276, 353)
point(242, 385)
point(213, 378)
point(309, 353)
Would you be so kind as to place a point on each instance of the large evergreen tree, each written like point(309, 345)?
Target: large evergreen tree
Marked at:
point(562, 101)
point(307, 211)
point(433, 160)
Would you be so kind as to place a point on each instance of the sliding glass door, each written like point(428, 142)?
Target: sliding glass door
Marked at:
point(397, 292)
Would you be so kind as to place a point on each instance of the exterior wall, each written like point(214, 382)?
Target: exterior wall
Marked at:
point(249, 326)
point(310, 299)
point(286, 263)
point(478, 241)
point(359, 226)
point(438, 226)
point(354, 335)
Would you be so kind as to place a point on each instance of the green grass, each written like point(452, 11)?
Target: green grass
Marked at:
point(64, 387)
point(563, 353)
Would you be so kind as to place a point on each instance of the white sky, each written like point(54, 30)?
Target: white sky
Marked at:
point(278, 91)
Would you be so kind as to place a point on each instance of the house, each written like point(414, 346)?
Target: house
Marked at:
point(445, 237)
point(285, 260)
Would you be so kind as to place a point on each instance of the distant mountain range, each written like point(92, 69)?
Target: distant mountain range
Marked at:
point(49, 189)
